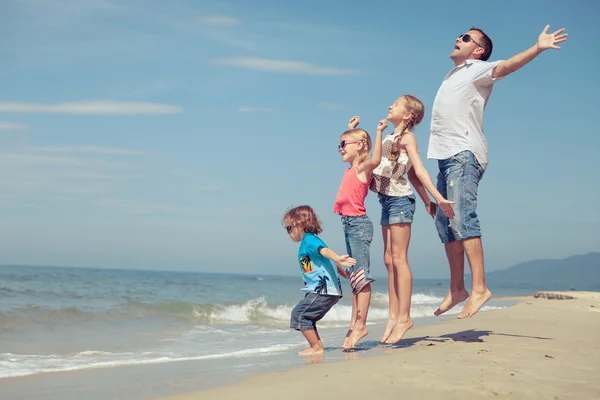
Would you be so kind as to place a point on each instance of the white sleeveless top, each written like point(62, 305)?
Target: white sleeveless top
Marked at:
point(388, 177)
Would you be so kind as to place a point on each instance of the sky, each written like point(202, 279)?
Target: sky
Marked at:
point(146, 134)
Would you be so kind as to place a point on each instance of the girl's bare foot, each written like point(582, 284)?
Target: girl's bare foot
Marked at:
point(451, 299)
point(476, 301)
point(355, 337)
point(389, 327)
point(399, 330)
point(347, 339)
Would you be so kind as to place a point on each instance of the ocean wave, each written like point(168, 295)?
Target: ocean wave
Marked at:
point(253, 311)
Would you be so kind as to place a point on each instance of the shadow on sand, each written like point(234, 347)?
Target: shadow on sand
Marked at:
point(468, 336)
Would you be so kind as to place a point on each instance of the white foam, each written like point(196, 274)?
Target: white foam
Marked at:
point(13, 365)
point(258, 310)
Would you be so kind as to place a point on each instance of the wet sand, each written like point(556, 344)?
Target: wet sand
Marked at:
point(545, 347)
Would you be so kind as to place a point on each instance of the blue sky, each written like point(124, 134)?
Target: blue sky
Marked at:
point(173, 135)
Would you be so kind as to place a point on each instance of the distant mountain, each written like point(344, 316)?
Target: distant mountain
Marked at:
point(581, 272)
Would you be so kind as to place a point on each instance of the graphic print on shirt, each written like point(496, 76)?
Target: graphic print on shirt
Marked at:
point(321, 287)
point(306, 264)
point(388, 177)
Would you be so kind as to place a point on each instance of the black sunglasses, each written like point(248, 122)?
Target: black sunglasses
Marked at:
point(289, 228)
point(467, 38)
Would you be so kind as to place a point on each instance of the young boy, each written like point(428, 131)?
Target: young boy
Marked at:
point(321, 281)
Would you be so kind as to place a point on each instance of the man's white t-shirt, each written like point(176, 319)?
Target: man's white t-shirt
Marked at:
point(457, 115)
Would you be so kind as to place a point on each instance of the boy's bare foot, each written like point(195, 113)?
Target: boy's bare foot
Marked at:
point(389, 327)
point(476, 301)
point(399, 330)
point(451, 299)
point(310, 351)
point(355, 337)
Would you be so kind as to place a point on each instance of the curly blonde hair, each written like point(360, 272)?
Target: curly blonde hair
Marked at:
point(303, 217)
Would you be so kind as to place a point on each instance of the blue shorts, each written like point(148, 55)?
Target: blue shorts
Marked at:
point(396, 209)
point(358, 232)
point(458, 181)
point(311, 309)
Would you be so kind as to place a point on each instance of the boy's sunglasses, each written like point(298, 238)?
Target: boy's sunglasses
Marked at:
point(343, 143)
point(289, 228)
point(467, 38)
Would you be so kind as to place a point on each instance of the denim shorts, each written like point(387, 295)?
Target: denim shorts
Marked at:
point(358, 232)
point(396, 209)
point(458, 181)
point(311, 309)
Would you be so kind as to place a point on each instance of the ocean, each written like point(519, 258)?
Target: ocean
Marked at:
point(222, 326)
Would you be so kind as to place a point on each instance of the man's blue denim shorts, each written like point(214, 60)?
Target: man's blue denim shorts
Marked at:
point(358, 232)
point(458, 181)
point(311, 309)
point(396, 209)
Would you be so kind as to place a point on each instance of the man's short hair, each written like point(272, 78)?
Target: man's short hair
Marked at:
point(486, 43)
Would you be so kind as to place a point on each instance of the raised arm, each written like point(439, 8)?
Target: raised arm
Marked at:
point(545, 41)
point(410, 144)
point(420, 189)
point(375, 159)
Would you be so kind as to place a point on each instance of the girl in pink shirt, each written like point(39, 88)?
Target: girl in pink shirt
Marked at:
point(354, 148)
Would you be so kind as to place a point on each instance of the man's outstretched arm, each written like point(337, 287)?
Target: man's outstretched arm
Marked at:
point(545, 41)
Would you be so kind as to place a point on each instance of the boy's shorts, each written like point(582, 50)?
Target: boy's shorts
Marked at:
point(358, 232)
point(458, 181)
point(396, 209)
point(311, 309)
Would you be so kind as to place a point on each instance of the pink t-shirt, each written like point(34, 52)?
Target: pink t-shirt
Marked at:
point(350, 200)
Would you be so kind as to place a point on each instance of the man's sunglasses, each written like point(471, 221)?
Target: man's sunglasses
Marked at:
point(289, 228)
point(343, 143)
point(467, 38)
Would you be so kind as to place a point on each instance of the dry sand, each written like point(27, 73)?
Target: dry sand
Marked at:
point(542, 348)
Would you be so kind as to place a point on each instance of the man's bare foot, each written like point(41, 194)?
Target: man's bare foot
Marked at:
point(399, 330)
point(355, 337)
point(389, 327)
point(451, 299)
point(311, 351)
point(476, 301)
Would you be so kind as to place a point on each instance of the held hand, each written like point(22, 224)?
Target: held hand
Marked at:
point(354, 121)
point(444, 205)
point(344, 273)
point(346, 261)
point(431, 209)
point(383, 124)
point(549, 40)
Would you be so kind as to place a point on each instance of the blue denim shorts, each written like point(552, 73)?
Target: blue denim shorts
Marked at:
point(311, 309)
point(458, 181)
point(396, 209)
point(358, 232)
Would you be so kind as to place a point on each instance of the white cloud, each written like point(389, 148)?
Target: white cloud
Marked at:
point(329, 106)
point(253, 109)
point(93, 107)
point(85, 149)
point(11, 126)
point(219, 21)
point(283, 66)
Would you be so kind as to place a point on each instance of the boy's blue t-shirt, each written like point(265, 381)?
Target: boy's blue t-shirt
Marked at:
point(319, 274)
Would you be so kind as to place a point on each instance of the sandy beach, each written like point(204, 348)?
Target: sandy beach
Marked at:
point(545, 347)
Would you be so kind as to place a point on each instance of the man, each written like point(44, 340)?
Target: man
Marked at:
point(458, 143)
